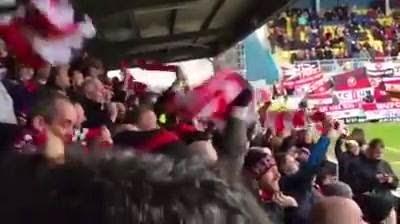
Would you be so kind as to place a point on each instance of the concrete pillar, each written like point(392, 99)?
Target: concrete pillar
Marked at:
point(317, 6)
point(388, 11)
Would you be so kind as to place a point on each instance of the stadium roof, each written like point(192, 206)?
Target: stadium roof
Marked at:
point(172, 30)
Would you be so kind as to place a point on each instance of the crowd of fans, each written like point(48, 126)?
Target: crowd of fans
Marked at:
point(77, 148)
point(342, 32)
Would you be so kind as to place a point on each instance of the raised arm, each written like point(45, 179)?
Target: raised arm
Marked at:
point(234, 141)
point(318, 152)
point(319, 149)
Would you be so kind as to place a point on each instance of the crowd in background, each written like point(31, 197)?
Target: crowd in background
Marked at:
point(343, 32)
point(79, 148)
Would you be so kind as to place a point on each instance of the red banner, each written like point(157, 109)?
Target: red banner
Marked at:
point(339, 107)
point(305, 80)
point(320, 99)
point(381, 106)
point(323, 86)
point(344, 110)
point(376, 111)
point(356, 79)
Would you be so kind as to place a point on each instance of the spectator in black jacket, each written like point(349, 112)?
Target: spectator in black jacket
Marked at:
point(346, 158)
point(371, 173)
point(98, 111)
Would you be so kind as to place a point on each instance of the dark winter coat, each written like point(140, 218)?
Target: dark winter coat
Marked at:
point(363, 172)
point(96, 115)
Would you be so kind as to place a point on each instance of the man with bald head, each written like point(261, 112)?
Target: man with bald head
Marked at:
point(336, 210)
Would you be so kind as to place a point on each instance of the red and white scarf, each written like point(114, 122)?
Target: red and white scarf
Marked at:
point(45, 31)
point(212, 99)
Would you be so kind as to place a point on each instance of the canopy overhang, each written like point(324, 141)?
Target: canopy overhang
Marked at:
point(172, 30)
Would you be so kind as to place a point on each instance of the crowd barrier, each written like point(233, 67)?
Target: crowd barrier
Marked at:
point(342, 65)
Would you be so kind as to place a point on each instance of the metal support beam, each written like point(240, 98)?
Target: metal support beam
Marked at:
point(166, 47)
point(134, 25)
point(165, 55)
point(129, 44)
point(261, 11)
point(110, 7)
point(172, 21)
point(388, 10)
point(113, 52)
point(217, 6)
point(318, 6)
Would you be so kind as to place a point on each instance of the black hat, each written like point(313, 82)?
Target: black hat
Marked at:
point(258, 162)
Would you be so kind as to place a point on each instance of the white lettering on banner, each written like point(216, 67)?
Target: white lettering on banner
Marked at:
point(303, 81)
point(348, 96)
point(389, 105)
point(387, 68)
point(373, 114)
point(323, 101)
point(382, 114)
point(346, 113)
point(348, 110)
point(302, 69)
point(382, 111)
point(339, 107)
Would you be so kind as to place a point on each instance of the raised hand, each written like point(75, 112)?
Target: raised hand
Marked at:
point(284, 201)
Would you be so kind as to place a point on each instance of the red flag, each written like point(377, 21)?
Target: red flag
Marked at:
point(302, 80)
point(211, 99)
point(321, 87)
point(356, 79)
point(19, 45)
point(51, 18)
point(47, 31)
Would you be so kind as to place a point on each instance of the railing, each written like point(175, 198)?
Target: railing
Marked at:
point(340, 65)
point(335, 65)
